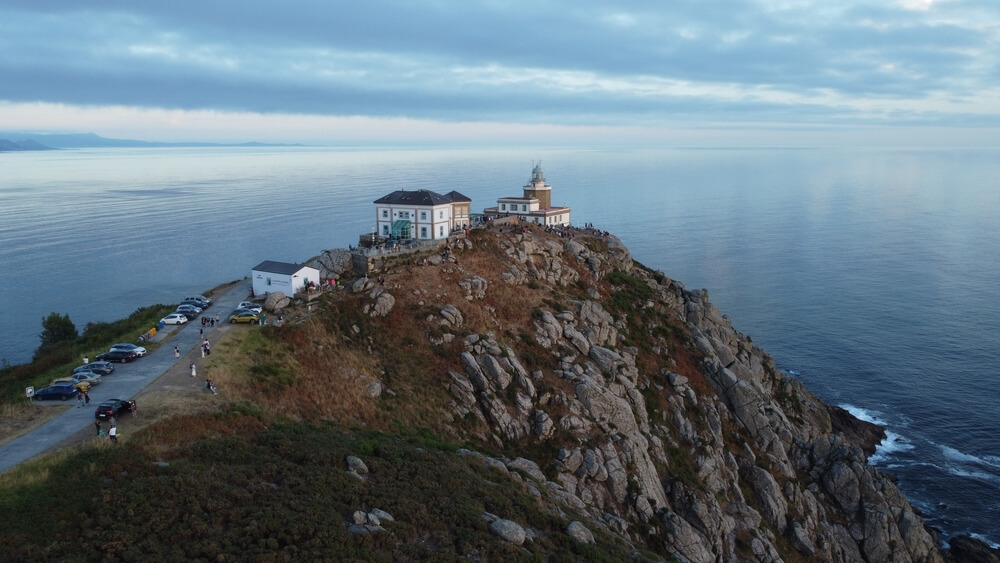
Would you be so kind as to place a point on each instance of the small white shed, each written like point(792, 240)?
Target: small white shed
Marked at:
point(270, 276)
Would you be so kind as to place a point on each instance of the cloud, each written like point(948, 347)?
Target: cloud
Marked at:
point(583, 63)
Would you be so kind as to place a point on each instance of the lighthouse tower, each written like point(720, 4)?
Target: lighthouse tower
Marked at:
point(536, 188)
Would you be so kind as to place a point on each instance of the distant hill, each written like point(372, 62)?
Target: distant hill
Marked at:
point(47, 141)
point(25, 145)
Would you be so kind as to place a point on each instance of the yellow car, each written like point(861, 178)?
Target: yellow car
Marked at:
point(79, 384)
point(245, 316)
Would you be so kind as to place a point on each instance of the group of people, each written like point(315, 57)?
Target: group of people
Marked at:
point(209, 320)
point(83, 397)
point(113, 424)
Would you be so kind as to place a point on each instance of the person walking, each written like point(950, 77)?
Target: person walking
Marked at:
point(177, 352)
point(194, 370)
point(86, 396)
point(79, 399)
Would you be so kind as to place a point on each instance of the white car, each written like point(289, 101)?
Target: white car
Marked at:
point(174, 319)
point(138, 350)
point(250, 306)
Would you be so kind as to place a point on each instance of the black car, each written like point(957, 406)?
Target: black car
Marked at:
point(103, 368)
point(193, 303)
point(190, 314)
point(114, 407)
point(117, 356)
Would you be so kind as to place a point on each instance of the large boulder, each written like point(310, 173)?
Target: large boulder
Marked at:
point(332, 264)
point(276, 301)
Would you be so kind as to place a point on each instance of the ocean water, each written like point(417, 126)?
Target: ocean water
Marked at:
point(871, 275)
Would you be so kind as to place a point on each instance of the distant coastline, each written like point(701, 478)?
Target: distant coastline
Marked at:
point(26, 141)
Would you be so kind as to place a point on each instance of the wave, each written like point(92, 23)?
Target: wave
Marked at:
point(894, 442)
point(955, 455)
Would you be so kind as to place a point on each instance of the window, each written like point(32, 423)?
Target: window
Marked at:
point(385, 213)
point(440, 214)
point(385, 229)
point(423, 232)
point(524, 207)
point(440, 231)
point(423, 215)
point(503, 207)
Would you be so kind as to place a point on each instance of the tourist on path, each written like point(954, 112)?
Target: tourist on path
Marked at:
point(113, 434)
point(134, 409)
point(86, 396)
point(97, 423)
point(194, 370)
point(79, 400)
point(177, 352)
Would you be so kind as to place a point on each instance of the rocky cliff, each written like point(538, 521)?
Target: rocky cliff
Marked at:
point(663, 424)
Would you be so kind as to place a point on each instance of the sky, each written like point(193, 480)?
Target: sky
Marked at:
point(698, 72)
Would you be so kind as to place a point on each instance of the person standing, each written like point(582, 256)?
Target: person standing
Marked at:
point(134, 409)
point(113, 434)
point(194, 370)
point(177, 352)
point(86, 396)
point(86, 360)
point(79, 399)
point(97, 423)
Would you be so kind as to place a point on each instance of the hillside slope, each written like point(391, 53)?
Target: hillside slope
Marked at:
point(518, 394)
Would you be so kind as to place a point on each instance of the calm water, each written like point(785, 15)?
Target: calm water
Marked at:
point(870, 275)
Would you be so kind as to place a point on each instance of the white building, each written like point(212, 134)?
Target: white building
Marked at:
point(421, 214)
point(535, 205)
point(269, 277)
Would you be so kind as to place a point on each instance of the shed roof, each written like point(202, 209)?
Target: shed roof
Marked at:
point(273, 267)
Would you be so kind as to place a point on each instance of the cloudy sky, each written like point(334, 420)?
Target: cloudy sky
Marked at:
point(670, 71)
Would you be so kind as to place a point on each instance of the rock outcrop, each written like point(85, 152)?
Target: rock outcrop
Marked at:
point(716, 462)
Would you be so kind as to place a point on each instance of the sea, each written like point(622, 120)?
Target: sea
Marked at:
point(872, 275)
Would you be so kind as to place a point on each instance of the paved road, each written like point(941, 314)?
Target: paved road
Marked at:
point(127, 380)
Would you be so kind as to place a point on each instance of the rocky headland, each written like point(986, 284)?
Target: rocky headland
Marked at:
point(611, 410)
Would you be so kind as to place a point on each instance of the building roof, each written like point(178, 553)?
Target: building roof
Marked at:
point(457, 197)
point(273, 267)
point(420, 197)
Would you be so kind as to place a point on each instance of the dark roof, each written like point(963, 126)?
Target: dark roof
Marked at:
point(421, 197)
point(273, 267)
point(457, 197)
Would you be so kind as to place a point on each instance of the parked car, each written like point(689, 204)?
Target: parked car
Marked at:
point(88, 377)
point(190, 315)
point(250, 305)
point(117, 356)
point(244, 316)
point(103, 368)
point(139, 350)
point(80, 384)
point(205, 301)
point(194, 303)
point(61, 391)
point(174, 319)
point(191, 308)
point(113, 407)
